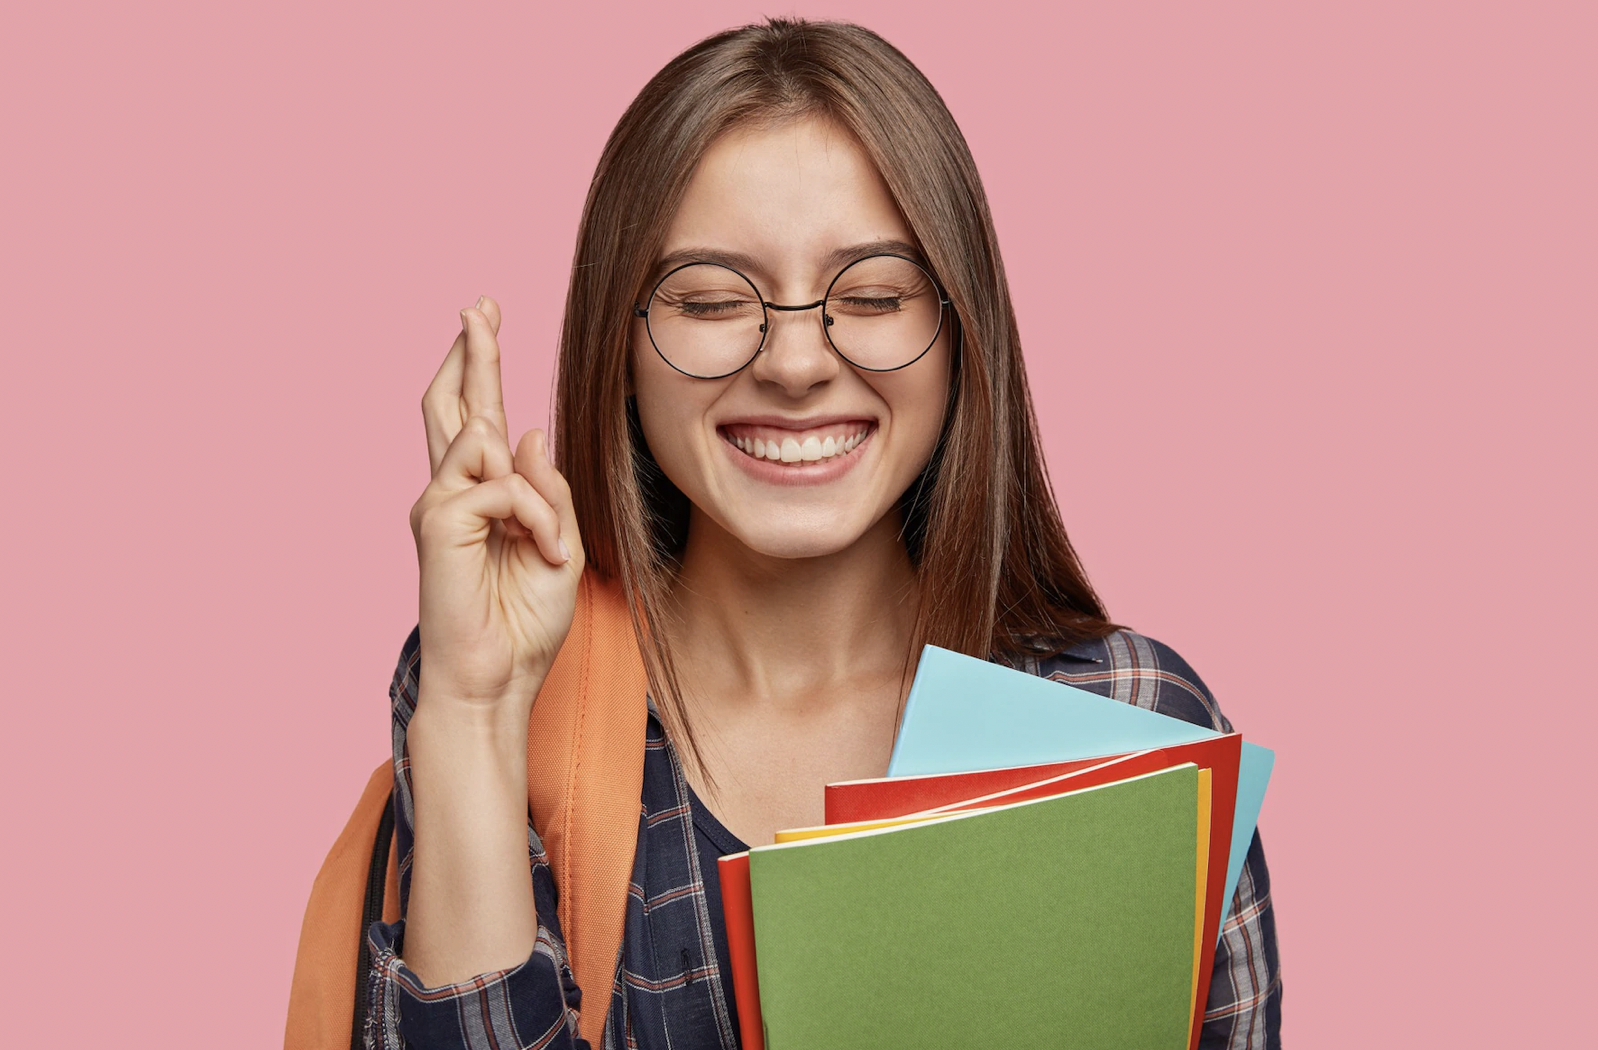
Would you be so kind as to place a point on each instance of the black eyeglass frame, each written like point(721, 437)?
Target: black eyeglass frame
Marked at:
point(766, 307)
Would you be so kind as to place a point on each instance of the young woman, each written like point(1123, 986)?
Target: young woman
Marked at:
point(793, 420)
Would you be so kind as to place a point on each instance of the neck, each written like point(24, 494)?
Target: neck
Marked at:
point(785, 632)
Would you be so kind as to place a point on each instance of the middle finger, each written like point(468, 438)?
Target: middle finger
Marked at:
point(443, 406)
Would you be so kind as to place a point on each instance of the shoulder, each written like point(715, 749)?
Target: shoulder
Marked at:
point(1134, 669)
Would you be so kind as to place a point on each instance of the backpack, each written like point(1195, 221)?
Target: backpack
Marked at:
point(585, 770)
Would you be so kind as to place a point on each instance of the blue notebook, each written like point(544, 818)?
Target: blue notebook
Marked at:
point(964, 713)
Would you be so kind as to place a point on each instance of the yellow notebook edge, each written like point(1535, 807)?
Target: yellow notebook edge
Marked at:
point(1200, 891)
point(833, 832)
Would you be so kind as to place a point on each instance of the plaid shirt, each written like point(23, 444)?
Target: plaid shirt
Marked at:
point(668, 990)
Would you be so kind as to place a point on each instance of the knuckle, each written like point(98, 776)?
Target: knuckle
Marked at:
point(431, 523)
point(467, 440)
point(420, 511)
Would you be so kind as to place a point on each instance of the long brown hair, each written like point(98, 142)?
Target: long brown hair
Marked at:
point(997, 574)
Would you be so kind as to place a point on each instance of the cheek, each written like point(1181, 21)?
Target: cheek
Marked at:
point(670, 414)
point(655, 416)
point(919, 404)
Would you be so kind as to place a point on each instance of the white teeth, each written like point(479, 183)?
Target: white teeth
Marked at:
point(791, 450)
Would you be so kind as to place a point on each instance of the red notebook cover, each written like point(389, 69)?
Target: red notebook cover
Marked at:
point(852, 800)
point(737, 908)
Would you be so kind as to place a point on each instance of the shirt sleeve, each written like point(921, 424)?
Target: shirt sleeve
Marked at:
point(532, 1005)
point(1245, 1004)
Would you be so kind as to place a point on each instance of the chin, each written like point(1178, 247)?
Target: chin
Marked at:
point(789, 527)
point(778, 532)
point(806, 544)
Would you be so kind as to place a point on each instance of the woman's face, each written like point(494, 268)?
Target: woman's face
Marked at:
point(784, 200)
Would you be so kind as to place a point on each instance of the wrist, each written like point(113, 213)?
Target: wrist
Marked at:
point(501, 712)
point(468, 736)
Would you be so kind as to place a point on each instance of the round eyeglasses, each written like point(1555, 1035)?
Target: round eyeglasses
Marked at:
point(880, 313)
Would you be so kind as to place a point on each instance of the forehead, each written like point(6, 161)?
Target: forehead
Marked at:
point(788, 197)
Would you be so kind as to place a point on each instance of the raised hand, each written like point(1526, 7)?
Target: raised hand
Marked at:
point(496, 539)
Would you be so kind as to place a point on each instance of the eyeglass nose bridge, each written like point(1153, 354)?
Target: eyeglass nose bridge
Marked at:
point(826, 318)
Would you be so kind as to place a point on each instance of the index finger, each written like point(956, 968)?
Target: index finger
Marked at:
point(480, 384)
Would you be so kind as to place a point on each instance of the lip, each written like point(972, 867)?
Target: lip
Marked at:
point(820, 472)
point(791, 423)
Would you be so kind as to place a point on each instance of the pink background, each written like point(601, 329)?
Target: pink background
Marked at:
point(1308, 299)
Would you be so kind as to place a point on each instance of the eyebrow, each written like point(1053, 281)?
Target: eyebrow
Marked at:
point(837, 258)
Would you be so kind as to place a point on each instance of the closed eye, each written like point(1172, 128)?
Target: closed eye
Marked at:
point(710, 309)
point(882, 304)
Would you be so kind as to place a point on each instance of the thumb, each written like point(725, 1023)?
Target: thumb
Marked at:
point(533, 463)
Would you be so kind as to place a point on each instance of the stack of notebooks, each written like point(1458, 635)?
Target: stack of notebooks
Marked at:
point(1042, 866)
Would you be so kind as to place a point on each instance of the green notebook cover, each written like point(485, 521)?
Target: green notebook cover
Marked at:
point(1060, 922)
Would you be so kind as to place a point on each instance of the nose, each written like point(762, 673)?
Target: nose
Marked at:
point(796, 355)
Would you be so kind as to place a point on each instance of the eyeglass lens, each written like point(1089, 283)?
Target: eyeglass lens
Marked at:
point(882, 312)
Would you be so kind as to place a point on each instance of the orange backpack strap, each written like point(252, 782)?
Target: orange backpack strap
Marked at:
point(322, 1014)
point(585, 779)
point(585, 775)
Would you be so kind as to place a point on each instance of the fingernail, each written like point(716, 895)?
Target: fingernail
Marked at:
point(480, 299)
point(565, 551)
point(463, 319)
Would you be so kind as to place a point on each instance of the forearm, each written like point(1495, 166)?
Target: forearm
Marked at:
point(471, 899)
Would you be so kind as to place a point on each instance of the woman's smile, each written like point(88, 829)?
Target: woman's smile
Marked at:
point(797, 453)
